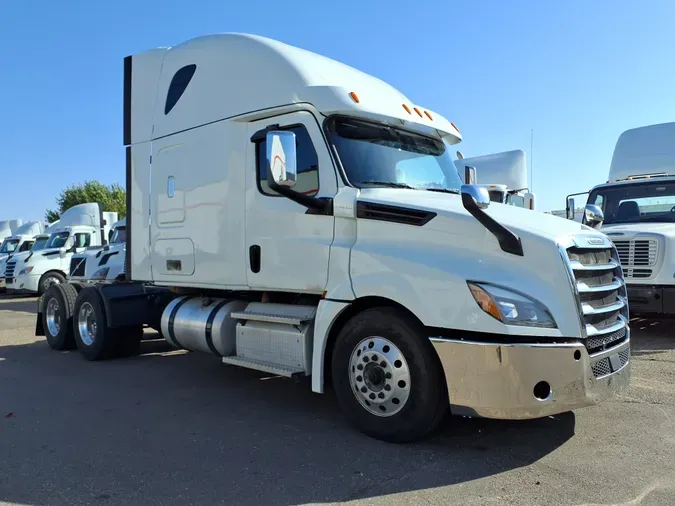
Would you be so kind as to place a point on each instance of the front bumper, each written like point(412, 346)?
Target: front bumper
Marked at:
point(23, 284)
point(494, 380)
point(645, 299)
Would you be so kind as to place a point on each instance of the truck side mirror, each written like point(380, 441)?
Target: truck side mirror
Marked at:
point(469, 175)
point(529, 201)
point(593, 216)
point(281, 159)
point(570, 209)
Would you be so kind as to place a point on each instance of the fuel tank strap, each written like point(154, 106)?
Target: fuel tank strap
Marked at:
point(209, 327)
point(172, 317)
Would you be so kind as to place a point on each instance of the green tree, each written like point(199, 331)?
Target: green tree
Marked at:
point(113, 198)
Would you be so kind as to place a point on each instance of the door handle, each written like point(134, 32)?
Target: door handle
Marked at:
point(254, 258)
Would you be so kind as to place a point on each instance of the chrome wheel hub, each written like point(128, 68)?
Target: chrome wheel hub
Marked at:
point(53, 317)
point(379, 376)
point(86, 324)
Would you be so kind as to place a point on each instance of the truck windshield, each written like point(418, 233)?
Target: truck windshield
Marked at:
point(40, 243)
point(57, 240)
point(9, 245)
point(119, 235)
point(636, 202)
point(377, 154)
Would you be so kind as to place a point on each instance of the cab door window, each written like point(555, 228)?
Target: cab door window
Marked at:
point(306, 159)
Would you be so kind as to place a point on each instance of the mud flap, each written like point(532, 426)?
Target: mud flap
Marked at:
point(39, 329)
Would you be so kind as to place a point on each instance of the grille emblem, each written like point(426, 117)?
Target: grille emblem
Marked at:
point(595, 241)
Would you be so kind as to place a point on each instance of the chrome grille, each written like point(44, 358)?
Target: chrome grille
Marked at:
point(9, 269)
point(603, 300)
point(637, 256)
point(603, 366)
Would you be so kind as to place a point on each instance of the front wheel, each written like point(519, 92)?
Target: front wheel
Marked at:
point(48, 279)
point(387, 378)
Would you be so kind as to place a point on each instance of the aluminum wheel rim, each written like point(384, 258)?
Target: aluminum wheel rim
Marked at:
point(86, 324)
point(53, 317)
point(379, 376)
point(51, 281)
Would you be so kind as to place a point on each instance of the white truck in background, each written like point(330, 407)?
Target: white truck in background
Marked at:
point(21, 240)
point(101, 263)
point(503, 175)
point(636, 208)
point(8, 227)
point(79, 227)
point(39, 243)
point(267, 225)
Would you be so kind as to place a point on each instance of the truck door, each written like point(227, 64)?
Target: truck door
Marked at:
point(287, 248)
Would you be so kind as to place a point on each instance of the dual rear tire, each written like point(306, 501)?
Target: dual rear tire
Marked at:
point(78, 320)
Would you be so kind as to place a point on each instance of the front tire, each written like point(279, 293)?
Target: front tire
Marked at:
point(387, 378)
point(57, 305)
point(48, 279)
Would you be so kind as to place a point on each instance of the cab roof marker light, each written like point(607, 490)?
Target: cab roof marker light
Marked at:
point(455, 127)
point(407, 109)
point(354, 97)
point(419, 113)
point(428, 115)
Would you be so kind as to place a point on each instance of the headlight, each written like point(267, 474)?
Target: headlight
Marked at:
point(101, 273)
point(510, 307)
point(25, 270)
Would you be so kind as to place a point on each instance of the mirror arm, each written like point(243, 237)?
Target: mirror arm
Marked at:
point(508, 241)
point(314, 205)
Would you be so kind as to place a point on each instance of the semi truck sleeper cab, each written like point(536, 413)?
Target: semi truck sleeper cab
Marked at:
point(291, 214)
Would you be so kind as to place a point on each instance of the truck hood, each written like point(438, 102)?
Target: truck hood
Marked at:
point(520, 221)
point(631, 229)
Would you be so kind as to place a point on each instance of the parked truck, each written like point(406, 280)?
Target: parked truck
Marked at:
point(637, 209)
point(78, 227)
point(22, 240)
point(268, 225)
point(101, 263)
point(503, 175)
point(8, 228)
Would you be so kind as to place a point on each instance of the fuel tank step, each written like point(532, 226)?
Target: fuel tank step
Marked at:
point(286, 314)
point(259, 365)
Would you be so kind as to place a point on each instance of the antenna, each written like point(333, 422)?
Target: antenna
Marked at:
point(531, 160)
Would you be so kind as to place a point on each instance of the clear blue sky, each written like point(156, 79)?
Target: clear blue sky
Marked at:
point(578, 72)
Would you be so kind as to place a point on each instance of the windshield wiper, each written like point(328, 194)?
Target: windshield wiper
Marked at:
point(390, 184)
point(442, 190)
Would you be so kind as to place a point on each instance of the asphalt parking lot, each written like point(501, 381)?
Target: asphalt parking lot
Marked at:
point(170, 427)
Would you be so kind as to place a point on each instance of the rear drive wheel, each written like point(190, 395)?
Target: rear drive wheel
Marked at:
point(387, 378)
point(94, 339)
point(57, 305)
point(48, 279)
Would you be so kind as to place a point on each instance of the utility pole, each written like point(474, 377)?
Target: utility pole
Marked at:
point(531, 160)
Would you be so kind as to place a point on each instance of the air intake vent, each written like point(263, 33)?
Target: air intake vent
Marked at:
point(404, 215)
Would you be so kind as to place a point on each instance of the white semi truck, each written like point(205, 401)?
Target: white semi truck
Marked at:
point(637, 209)
point(79, 227)
point(101, 263)
point(20, 241)
point(268, 224)
point(503, 175)
point(8, 228)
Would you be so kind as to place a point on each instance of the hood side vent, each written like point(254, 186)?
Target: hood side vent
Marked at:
point(394, 214)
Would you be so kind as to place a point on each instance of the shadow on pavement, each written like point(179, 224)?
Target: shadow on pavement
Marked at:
point(652, 336)
point(21, 304)
point(171, 426)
